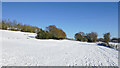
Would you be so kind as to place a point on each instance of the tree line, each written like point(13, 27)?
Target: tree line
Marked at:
point(92, 37)
point(15, 26)
point(89, 37)
point(52, 32)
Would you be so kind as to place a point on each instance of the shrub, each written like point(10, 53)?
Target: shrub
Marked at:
point(4, 25)
point(55, 33)
point(80, 36)
point(41, 34)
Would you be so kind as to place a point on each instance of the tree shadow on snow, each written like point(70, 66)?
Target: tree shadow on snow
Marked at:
point(105, 46)
point(31, 36)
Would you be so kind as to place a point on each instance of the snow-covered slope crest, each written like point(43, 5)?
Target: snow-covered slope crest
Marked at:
point(16, 34)
point(22, 49)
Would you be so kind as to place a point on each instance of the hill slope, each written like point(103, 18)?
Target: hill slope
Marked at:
point(20, 49)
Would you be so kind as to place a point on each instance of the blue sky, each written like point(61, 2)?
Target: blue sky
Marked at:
point(72, 17)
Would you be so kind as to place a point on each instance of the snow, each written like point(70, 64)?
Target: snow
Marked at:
point(22, 49)
point(113, 43)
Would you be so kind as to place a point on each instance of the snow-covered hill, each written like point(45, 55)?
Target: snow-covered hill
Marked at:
point(21, 49)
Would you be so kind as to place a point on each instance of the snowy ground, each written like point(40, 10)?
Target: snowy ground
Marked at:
point(22, 49)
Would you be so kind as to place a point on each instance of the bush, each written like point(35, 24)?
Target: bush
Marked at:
point(55, 33)
point(4, 27)
point(41, 35)
point(80, 36)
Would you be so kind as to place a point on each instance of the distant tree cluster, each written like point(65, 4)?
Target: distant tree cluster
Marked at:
point(51, 32)
point(115, 39)
point(92, 37)
point(14, 26)
point(89, 37)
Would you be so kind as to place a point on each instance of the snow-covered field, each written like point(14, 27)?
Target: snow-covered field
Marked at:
point(21, 49)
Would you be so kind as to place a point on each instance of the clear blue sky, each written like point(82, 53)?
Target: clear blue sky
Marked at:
point(72, 17)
